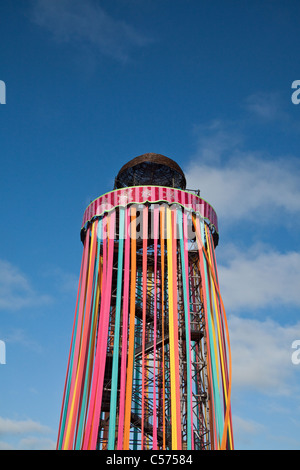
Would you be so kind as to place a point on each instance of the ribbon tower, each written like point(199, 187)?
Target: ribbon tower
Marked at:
point(150, 363)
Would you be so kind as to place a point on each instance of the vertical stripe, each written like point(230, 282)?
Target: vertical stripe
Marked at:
point(226, 377)
point(91, 434)
point(131, 330)
point(163, 312)
point(144, 283)
point(182, 223)
point(124, 334)
point(90, 344)
point(82, 353)
point(171, 331)
point(115, 363)
point(71, 353)
point(77, 337)
point(155, 228)
point(153, 387)
point(175, 332)
point(104, 262)
point(200, 242)
point(223, 430)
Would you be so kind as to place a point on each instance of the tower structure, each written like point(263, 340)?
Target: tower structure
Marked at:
point(149, 364)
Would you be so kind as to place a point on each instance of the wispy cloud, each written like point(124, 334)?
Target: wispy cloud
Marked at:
point(252, 187)
point(31, 433)
point(35, 443)
point(86, 23)
point(268, 106)
point(246, 429)
point(5, 446)
point(261, 355)
point(21, 337)
point(10, 426)
point(242, 184)
point(65, 282)
point(259, 277)
point(215, 141)
point(16, 291)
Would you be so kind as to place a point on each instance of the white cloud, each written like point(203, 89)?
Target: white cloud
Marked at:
point(19, 336)
point(24, 434)
point(261, 355)
point(247, 432)
point(267, 106)
point(16, 291)
point(246, 427)
point(215, 140)
point(239, 184)
point(248, 187)
point(10, 426)
point(78, 22)
point(33, 443)
point(65, 282)
point(259, 277)
point(5, 446)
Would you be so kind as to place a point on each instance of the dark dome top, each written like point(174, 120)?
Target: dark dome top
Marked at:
point(151, 169)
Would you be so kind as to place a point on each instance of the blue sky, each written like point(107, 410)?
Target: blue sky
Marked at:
point(92, 84)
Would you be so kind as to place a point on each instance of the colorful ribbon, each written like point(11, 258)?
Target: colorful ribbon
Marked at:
point(150, 363)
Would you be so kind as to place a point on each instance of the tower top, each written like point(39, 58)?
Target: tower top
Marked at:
point(151, 169)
